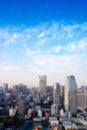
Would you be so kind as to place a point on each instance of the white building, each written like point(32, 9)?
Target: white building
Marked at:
point(12, 112)
point(62, 114)
point(56, 94)
point(39, 113)
point(70, 94)
point(68, 125)
point(54, 109)
point(37, 97)
point(53, 121)
point(42, 85)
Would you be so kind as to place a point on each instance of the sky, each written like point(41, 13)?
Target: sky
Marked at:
point(43, 37)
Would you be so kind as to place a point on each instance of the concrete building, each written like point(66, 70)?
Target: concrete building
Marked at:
point(54, 109)
point(81, 100)
point(53, 121)
point(74, 124)
point(2, 96)
point(21, 107)
point(42, 85)
point(61, 94)
point(5, 87)
point(37, 97)
point(70, 94)
point(56, 94)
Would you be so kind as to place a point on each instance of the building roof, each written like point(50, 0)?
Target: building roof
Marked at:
point(67, 122)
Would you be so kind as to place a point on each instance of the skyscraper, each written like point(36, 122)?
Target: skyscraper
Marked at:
point(70, 94)
point(42, 85)
point(56, 94)
point(5, 87)
point(21, 106)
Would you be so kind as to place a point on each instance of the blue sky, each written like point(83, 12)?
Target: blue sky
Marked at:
point(43, 37)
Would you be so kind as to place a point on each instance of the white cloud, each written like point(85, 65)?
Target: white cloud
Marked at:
point(41, 35)
point(56, 49)
point(83, 44)
point(42, 41)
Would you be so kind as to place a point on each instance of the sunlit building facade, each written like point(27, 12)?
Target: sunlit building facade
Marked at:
point(42, 85)
point(70, 94)
point(56, 94)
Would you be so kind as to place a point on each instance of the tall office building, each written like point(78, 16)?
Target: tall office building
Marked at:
point(21, 106)
point(70, 94)
point(5, 87)
point(42, 85)
point(56, 94)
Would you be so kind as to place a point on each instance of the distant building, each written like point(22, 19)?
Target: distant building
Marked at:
point(70, 94)
point(2, 96)
point(37, 97)
point(1, 89)
point(15, 88)
point(49, 89)
point(61, 95)
point(12, 112)
point(5, 87)
point(56, 94)
point(42, 85)
point(83, 88)
point(54, 122)
point(21, 106)
point(22, 88)
point(54, 109)
point(81, 100)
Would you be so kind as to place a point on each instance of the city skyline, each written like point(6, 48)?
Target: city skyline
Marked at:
point(43, 38)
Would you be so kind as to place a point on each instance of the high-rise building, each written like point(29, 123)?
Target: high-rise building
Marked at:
point(81, 99)
point(61, 94)
point(70, 94)
point(5, 87)
point(56, 94)
point(21, 106)
point(42, 85)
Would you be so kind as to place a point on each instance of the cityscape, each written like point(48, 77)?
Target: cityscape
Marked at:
point(62, 107)
point(43, 64)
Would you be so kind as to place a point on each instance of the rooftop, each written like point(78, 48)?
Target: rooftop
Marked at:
point(67, 122)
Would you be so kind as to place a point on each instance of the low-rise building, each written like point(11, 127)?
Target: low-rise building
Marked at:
point(53, 121)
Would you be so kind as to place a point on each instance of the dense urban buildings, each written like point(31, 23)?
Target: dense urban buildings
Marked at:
point(56, 106)
point(70, 94)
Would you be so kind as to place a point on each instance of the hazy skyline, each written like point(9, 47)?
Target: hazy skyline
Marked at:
point(47, 37)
